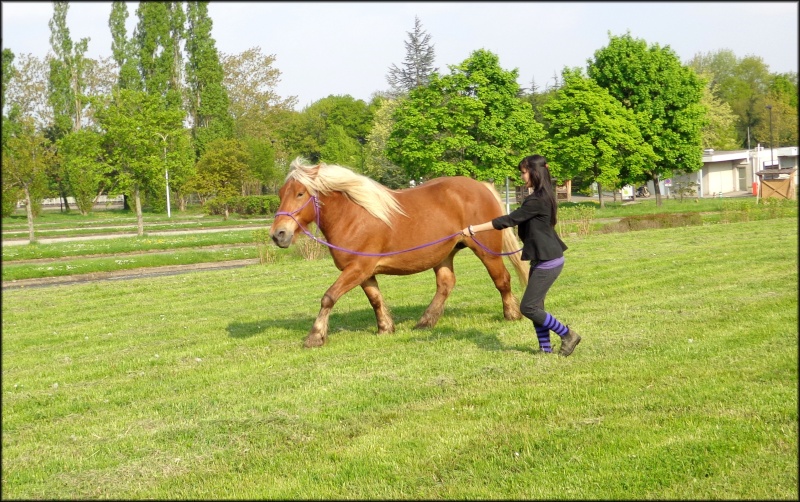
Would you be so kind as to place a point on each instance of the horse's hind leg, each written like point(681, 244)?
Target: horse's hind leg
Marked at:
point(445, 282)
point(502, 281)
point(382, 315)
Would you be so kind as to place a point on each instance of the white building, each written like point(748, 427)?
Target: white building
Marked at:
point(728, 172)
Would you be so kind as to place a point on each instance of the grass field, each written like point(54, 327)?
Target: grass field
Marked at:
point(197, 385)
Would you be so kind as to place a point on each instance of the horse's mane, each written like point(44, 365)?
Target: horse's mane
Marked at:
point(378, 200)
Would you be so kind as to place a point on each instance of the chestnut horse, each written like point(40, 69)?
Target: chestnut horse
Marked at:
point(373, 230)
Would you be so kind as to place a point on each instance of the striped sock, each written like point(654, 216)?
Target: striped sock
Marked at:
point(543, 334)
point(552, 323)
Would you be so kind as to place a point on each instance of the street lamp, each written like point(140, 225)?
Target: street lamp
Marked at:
point(771, 159)
point(166, 170)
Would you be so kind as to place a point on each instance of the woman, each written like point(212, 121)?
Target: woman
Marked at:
point(536, 218)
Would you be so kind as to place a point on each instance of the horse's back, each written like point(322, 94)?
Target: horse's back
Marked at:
point(463, 198)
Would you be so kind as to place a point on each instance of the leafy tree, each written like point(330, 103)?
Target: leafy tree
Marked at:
point(664, 96)
point(25, 159)
point(223, 171)
point(8, 73)
point(309, 131)
point(27, 90)
point(208, 98)
point(376, 164)
point(123, 49)
point(66, 89)
point(129, 122)
point(719, 132)
point(468, 123)
point(743, 85)
point(81, 156)
point(418, 65)
point(782, 97)
point(10, 193)
point(341, 149)
point(593, 135)
point(250, 79)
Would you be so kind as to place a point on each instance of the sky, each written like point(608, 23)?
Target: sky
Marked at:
point(347, 48)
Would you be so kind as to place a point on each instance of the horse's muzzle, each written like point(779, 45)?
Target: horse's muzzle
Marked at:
point(282, 238)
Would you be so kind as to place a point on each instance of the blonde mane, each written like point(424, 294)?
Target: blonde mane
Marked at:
point(378, 200)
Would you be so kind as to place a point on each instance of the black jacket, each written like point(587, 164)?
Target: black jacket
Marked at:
point(539, 240)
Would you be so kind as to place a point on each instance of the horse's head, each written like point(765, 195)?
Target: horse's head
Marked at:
point(296, 208)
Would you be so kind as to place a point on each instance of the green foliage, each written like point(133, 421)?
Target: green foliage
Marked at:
point(245, 205)
point(593, 136)
point(208, 98)
point(336, 118)
point(578, 217)
point(223, 171)
point(82, 160)
point(664, 96)
point(122, 48)
point(468, 123)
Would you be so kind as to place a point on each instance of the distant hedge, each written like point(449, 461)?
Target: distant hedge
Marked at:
point(245, 205)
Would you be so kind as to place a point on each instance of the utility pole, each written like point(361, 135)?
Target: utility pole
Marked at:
point(166, 171)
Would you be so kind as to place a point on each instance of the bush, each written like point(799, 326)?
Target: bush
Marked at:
point(247, 205)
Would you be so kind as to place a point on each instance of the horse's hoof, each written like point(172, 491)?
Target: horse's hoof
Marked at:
point(314, 342)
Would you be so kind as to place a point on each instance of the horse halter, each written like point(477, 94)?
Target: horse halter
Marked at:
point(317, 205)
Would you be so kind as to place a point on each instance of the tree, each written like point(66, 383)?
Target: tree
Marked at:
point(129, 122)
point(223, 171)
point(81, 157)
point(418, 65)
point(208, 98)
point(664, 96)
point(250, 79)
point(66, 88)
point(593, 135)
point(27, 90)
point(719, 132)
point(309, 131)
point(742, 84)
point(25, 159)
point(468, 123)
point(376, 164)
point(122, 48)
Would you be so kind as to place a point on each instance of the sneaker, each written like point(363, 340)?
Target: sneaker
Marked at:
point(569, 342)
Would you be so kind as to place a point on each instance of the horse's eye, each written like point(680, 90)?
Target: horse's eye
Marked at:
point(300, 194)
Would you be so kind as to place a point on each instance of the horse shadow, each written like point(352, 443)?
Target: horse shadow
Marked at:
point(364, 320)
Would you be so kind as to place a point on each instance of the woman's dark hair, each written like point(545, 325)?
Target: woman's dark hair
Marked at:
point(541, 182)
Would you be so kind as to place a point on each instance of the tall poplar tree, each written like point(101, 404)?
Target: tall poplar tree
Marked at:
point(122, 48)
point(208, 98)
point(66, 82)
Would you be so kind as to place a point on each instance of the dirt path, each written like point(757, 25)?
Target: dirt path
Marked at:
point(50, 240)
point(136, 273)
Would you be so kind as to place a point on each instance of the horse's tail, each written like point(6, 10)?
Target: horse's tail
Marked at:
point(510, 243)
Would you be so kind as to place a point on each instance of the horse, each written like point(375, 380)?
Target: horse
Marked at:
point(371, 230)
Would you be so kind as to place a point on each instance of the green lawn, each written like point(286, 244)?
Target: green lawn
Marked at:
point(197, 385)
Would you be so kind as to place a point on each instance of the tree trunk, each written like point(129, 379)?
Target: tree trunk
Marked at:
point(600, 195)
point(29, 211)
point(657, 190)
point(139, 219)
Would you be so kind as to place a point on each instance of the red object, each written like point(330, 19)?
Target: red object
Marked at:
point(755, 188)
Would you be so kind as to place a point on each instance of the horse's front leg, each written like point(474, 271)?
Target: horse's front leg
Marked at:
point(348, 279)
point(445, 282)
point(382, 315)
